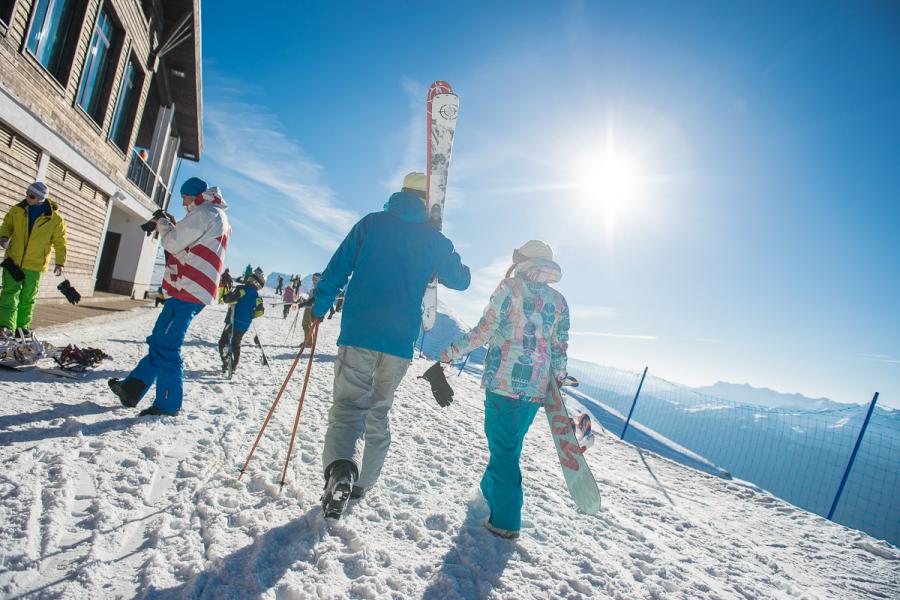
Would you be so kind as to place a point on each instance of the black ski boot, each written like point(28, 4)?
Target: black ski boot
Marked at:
point(338, 486)
point(154, 411)
point(358, 492)
point(127, 390)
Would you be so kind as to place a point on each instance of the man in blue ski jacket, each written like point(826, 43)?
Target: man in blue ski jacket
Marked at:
point(392, 256)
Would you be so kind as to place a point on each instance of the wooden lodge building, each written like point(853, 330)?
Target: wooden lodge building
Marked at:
point(100, 99)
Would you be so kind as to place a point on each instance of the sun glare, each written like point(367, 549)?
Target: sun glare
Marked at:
point(609, 182)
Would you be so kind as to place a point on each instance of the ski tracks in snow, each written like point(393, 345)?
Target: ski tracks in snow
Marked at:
point(95, 502)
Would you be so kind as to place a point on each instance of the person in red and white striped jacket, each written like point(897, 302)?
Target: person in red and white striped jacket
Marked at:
point(195, 248)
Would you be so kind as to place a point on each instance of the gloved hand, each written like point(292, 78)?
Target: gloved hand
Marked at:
point(69, 292)
point(442, 391)
point(13, 269)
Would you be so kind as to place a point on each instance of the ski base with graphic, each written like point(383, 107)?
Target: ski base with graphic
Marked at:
point(441, 110)
point(579, 479)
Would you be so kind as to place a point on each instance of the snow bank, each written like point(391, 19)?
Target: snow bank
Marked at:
point(95, 502)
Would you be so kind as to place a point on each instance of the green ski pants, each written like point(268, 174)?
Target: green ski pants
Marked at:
point(17, 299)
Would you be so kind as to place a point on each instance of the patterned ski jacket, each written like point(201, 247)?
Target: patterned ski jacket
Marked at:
point(196, 247)
point(526, 327)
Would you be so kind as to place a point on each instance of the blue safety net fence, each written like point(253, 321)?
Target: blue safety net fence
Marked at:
point(797, 455)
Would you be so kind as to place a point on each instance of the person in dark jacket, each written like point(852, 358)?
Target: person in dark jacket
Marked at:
point(308, 306)
point(392, 256)
point(246, 306)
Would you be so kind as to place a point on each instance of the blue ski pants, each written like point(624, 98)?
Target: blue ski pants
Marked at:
point(506, 420)
point(163, 364)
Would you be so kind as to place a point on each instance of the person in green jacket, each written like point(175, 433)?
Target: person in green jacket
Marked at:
point(29, 230)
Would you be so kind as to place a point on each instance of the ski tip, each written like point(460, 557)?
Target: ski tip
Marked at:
point(439, 87)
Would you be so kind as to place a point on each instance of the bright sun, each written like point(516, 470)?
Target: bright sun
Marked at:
point(609, 181)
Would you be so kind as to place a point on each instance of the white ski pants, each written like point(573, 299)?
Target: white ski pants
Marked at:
point(358, 423)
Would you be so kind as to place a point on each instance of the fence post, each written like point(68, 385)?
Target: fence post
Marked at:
point(862, 432)
point(465, 362)
point(633, 403)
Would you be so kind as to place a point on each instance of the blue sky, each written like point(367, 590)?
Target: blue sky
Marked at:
point(720, 180)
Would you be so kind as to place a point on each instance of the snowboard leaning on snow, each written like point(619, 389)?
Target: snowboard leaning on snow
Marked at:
point(441, 110)
point(579, 479)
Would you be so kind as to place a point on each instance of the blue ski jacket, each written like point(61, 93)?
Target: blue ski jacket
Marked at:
point(246, 302)
point(392, 256)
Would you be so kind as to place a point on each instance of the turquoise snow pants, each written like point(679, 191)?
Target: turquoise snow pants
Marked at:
point(163, 363)
point(506, 420)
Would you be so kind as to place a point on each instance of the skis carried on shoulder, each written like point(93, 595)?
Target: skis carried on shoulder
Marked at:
point(579, 479)
point(442, 106)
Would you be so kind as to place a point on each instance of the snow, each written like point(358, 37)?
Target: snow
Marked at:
point(95, 502)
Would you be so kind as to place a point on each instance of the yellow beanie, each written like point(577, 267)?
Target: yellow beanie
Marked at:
point(415, 181)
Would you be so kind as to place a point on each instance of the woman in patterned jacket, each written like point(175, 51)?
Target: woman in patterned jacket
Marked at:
point(526, 327)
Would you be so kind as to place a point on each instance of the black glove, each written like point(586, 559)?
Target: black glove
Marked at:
point(150, 226)
point(69, 292)
point(442, 391)
point(14, 271)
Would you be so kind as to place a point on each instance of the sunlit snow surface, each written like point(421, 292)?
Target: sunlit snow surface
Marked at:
point(96, 503)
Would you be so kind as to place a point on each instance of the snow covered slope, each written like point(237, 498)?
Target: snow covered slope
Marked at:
point(96, 503)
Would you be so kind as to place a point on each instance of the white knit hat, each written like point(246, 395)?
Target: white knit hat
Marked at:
point(38, 190)
point(532, 249)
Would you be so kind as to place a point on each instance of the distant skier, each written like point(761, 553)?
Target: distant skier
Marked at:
point(288, 298)
point(308, 304)
point(526, 327)
point(159, 297)
point(196, 245)
point(280, 287)
point(28, 232)
point(295, 282)
point(392, 256)
point(247, 305)
point(226, 284)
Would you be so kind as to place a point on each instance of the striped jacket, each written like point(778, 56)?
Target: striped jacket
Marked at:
point(195, 249)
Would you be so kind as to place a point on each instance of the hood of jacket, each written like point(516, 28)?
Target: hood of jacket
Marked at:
point(213, 197)
point(406, 207)
point(539, 270)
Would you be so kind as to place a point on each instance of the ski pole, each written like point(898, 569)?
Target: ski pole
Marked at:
point(272, 410)
point(312, 353)
point(465, 362)
point(261, 349)
point(230, 359)
point(293, 326)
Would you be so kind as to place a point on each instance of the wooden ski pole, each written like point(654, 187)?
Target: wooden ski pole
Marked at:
point(312, 353)
point(272, 410)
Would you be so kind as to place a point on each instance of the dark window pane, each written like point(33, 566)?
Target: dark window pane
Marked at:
point(6, 10)
point(96, 68)
point(37, 26)
point(51, 39)
point(126, 105)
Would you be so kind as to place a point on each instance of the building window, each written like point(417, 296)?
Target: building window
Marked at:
point(6, 11)
point(55, 25)
point(126, 105)
point(93, 92)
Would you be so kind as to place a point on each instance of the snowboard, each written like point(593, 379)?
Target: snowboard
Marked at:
point(442, 106)
point(579, 479)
